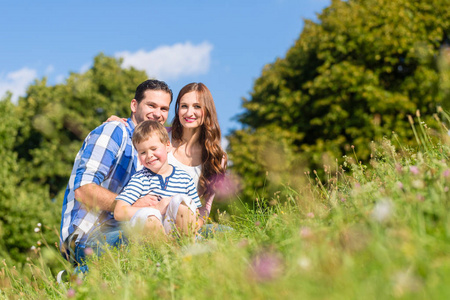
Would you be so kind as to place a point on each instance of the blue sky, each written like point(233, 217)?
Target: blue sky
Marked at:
point(224, 44)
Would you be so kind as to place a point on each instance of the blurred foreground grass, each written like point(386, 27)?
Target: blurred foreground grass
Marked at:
point(380, 231)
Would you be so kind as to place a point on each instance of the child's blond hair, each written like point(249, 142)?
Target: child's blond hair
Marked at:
point(147, 128)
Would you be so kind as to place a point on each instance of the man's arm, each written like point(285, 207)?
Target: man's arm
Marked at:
point(97, 158)
point(96, 197)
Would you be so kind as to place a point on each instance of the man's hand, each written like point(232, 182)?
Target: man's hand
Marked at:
point(116, 118)
point(147, 201)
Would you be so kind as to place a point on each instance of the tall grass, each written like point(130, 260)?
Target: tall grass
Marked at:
point(376, 231)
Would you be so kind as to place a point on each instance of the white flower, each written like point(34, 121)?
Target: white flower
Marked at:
point(39, 224)
point(418, 184)
point(304, 263)
point(36, 229)
point(382, 210)
point(33, 248)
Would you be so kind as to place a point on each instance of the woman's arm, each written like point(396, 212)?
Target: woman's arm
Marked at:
point(205, 210)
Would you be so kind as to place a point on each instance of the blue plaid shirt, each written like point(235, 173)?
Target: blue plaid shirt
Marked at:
point(107, 158)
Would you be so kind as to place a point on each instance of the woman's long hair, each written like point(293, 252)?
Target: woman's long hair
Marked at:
point(210, 137)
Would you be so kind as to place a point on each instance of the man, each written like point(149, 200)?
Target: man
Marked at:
point(102, 167)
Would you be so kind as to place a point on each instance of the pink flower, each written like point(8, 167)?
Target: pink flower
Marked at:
point(446, 173)
point(70, 293)
point(400, 185)
point(88, 251)
point(414, 170)
point(257, 223)
point(79, 281)
point(310, 215)
point(226, 186)
point(306, 232)
point(266, 266)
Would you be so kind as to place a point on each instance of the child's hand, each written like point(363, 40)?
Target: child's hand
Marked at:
point(116, 118)
point(162, 205)
point(147, 201)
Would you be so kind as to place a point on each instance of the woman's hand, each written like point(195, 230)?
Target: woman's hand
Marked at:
point(116, 118)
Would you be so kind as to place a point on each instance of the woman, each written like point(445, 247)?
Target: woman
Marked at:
point(196, 137)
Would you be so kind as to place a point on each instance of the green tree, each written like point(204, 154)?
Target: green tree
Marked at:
point(39, 139)
point(23, 204)
point(58, 118)
point(349, 79)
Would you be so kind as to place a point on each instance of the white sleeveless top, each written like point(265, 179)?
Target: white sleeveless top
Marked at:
point(194, 171)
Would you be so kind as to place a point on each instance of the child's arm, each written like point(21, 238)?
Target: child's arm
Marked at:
point(162, 204)
point(124, 211)
point(134, 190)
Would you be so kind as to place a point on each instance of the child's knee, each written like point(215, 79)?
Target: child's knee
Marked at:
point(153, 222)
point(184, 211)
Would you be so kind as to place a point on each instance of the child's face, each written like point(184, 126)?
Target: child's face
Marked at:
point(152, 154)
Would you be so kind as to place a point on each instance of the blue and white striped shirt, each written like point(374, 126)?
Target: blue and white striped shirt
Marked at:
point(108, 159)
point(146, 182)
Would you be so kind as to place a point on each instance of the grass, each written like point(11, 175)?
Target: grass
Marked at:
point(376, 231)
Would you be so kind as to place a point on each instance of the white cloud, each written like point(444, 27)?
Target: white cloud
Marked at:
point(49, 70)
point(224, 143)
point(16, 82)
point(170, 62)
point(60, 78)
point(84, 68)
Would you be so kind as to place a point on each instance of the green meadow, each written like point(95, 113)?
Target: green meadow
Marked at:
point(375, 231)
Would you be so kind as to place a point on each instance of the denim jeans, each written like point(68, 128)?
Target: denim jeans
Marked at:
point(208, 230)
point(97, 241)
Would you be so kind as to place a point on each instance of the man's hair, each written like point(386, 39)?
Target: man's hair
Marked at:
point(154, 85)
point(147, 128)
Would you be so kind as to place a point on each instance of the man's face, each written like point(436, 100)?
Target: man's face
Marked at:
point(154, 106)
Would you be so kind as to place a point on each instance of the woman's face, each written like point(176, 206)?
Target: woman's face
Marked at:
point(190, 111)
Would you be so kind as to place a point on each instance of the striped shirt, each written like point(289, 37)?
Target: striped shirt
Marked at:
point(146, 182)
point(108, 159)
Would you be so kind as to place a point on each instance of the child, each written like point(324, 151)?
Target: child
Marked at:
point(158, 178)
